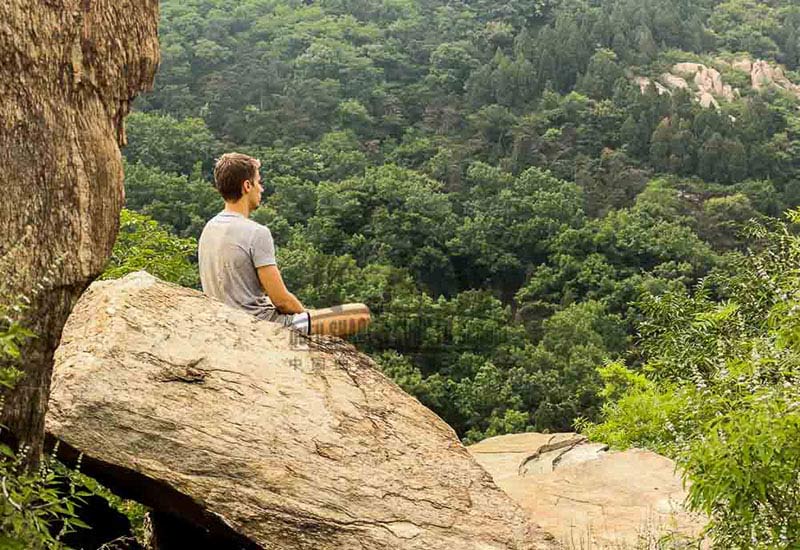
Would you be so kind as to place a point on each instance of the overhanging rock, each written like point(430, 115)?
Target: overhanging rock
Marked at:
point(200, 410)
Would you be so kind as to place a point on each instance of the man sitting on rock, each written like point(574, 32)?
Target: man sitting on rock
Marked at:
point(237, 259)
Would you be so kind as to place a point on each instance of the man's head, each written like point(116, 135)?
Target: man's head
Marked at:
point(236, 178)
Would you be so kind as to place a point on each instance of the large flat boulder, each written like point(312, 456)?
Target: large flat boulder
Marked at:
point(588, 497)
point(239, 426)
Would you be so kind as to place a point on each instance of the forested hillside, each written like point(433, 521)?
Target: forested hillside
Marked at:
point(522, 191)
point(493, 179)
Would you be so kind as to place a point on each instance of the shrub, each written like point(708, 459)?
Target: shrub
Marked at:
point(35, 510)
point(719, 391)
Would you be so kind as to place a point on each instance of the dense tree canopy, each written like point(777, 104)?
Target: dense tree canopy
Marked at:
point(443, 161)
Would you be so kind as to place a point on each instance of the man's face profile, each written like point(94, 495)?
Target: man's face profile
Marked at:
point(253, 190)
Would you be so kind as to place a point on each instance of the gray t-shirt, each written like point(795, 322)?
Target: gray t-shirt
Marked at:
point(230, 250)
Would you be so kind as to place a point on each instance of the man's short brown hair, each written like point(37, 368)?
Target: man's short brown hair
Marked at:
point(230, 172)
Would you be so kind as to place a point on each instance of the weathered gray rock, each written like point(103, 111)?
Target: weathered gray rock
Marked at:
point(674, 82)
point(204, 412)
point(69, 72)
point(707, 100)
point(587, 497)
point(761, 75)
point(710, 81)
point(707, 83)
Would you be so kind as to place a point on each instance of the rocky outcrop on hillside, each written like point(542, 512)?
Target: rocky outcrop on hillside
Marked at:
point(644, 83)
point(763, 75)
point(707, 83)
point(586, 496)
point(263, 438)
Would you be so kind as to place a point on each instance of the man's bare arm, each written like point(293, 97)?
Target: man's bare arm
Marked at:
point(272, 283)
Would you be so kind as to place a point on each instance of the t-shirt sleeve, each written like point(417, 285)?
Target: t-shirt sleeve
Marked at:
point(262, 248)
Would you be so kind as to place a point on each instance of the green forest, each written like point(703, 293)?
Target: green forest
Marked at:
point(550, 236)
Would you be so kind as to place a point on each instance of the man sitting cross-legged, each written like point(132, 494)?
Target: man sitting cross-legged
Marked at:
point(237, 259)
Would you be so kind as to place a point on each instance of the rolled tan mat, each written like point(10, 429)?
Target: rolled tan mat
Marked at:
point(341, 320)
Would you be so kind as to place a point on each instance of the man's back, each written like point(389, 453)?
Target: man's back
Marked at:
point(237, 259)
point(230, 250)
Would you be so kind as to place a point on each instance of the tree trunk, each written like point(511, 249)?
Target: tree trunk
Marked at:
point(69, 70)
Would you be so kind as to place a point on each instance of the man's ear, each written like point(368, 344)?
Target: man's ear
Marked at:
point(246, 186)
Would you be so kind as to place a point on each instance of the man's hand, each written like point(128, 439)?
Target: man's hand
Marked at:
point(279, 295)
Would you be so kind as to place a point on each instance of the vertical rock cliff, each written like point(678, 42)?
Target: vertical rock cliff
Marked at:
point(69, 70)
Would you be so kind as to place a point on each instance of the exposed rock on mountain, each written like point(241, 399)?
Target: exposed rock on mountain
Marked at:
point(707, 100)
point(674, 82)
point(645, 83)
point(586, 496)
point(708, 85)
point(687, 70)
point(708, 81)
point(762, 75)
point(234, 424)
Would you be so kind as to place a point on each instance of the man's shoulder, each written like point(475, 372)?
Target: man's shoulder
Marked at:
point(241, 226)
point(252, 227)
point(255, 227)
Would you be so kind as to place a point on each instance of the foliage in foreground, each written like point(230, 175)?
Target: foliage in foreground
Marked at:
point(720, 392)
point(144, 245)
point(36, 508)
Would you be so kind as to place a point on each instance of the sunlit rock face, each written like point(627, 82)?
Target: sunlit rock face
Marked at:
point(244, 428)
point(587, 496)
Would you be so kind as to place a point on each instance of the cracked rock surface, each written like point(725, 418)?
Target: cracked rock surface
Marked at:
point(231, 423)
point(586, 496)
